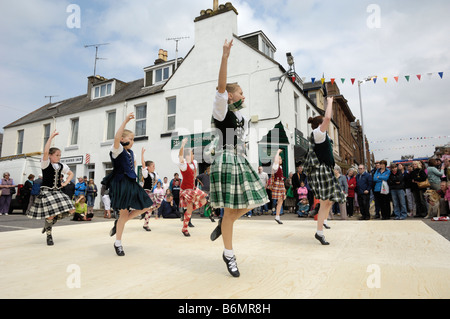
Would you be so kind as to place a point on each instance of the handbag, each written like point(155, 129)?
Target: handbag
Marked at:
point(384, 188)
point(12, 190)
point(424, 184)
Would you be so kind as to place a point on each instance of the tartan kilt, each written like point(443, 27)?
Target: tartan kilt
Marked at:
point(128, 194)
point(234, 183)
point(155, 197)
point(278, 190)
point(192, 196)
point(49, 203)
point(325, 185)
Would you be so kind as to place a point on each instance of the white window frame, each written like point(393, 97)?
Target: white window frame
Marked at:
point(102, 90)
point(172, 115)
point(164, 76)
point(74, 135)
point(108, 128)
point(20, 138)
point(139, 120)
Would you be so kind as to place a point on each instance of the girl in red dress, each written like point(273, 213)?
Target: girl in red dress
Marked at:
point(191, 197)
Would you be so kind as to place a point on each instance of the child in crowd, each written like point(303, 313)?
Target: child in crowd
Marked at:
point(303, 207)
point(81, 210)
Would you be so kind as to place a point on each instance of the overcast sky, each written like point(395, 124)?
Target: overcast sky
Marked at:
point(41, 54)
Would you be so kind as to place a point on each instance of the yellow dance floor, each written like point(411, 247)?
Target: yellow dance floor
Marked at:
point(366, 259)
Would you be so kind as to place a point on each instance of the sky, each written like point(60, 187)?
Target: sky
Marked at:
point(43, 53)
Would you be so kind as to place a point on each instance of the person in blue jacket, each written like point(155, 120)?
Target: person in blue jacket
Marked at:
point(382, 174)
point(363, 188)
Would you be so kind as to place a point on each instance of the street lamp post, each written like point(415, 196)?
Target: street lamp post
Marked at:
point(362, 118)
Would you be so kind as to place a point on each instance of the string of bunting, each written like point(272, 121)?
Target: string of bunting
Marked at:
point(385, 79)
point(401, 148)
point(411, 138)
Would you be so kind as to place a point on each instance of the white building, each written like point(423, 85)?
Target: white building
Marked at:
point(170, 104)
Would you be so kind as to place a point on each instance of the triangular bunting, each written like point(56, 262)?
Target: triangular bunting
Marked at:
point(332, 81)
point(353, 81)
point(342, 80)
point(322, 80)
point(407, 77)
point(385, 80)
point(418, 76)
point(396, 78)
point(313, 80)
point(441, 74)
point(375, 80)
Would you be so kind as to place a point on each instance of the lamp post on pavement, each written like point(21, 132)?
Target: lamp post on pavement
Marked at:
point(362, 119)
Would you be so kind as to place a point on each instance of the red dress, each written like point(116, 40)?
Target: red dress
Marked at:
point(189, 194)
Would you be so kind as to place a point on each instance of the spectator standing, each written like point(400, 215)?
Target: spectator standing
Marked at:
point(264, 177)
point(363, 188)
point(91, 194)
point(434, 174)
point(104, 192)
point(25, 192)
point(80, 187)
point(382, 175)
point(397, 190)
point(351, 182)
point(8, 188)
point(418, 175)
point(411, 204)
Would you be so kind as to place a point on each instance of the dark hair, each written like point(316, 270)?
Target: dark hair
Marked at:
point(53, 150)
point(315, 121)
point(148, 163)
point(383, 162)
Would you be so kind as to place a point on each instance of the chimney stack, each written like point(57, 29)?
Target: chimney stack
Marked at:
point(162, 56)
point(216, 5)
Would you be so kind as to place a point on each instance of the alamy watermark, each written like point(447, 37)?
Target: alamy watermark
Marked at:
point(374, 279)
point(74, 278)
point(74, 19)
point(374, 19)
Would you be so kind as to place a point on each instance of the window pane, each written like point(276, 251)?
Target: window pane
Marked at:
point(111, 125)
point(171, 123)
point(171, 106)
point(97, 91)
point(20, 142)
point(141, 112)
point(140, 127)
point(74, 139)
point(166, 73)
point(158, 75)
point(108, 89)
point(103, 90)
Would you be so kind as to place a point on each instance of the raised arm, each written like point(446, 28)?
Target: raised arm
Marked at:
point(48, 145)
point(224, 66)
point(142, 157)
point(181, 153)
point(328, 115)
point(119, 132)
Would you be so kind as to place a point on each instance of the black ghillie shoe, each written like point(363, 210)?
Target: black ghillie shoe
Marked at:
point(231, 266)
point(217, 231)
point(119, 250)
point(50, 240)
point(112, 232)
point(186, 233)
point(146, 228)
point(279, 221)
point(321, 239)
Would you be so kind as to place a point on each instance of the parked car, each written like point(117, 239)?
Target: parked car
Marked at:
point(16, 201)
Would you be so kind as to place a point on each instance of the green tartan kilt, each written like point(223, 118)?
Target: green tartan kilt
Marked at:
point(325, 185)
point(235, 184)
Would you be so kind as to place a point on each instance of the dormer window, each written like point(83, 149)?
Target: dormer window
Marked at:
point(102, 90)
point(162, 74)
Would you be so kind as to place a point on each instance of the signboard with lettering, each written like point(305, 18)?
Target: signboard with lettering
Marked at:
point(72, 160)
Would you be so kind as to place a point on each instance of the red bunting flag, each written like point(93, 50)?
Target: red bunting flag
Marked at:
point(419, 76)
point(396, 78)
point(353, 81)
point(332, 81)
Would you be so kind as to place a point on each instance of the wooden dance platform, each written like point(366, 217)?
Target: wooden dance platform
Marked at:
point(366, 259)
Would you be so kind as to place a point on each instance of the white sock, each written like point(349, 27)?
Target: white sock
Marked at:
point(118, 243)
point(228, 253)
point(277, 217)
point(325, 222)
point(320, 233)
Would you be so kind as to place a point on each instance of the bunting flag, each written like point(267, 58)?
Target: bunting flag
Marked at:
point(411, 138)
point(385, 78)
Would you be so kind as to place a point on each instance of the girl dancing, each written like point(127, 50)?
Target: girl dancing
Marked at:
point(126, 194)
point(235, 185)
point(52, 204)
